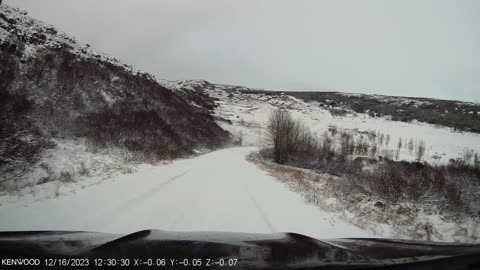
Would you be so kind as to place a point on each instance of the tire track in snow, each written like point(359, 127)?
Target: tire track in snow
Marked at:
point(262, 213)
point(133, 203)
point(181, 217)
point(120, 210)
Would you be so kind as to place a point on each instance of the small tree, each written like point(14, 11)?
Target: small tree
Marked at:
point(373, 150)
point(381, 137)
point(387, 140)
point(410, 146)
point(399, 148)
point(282, 131)
point(420, 151)
point(326, 151)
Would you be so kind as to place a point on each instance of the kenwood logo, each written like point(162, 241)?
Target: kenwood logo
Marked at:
point(20, 262)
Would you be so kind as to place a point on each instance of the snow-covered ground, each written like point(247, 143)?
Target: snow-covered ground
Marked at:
point(77, 188)
point(218, 191)
point(249, 114)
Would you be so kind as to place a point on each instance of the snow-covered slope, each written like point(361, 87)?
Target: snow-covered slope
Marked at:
point(245, 114)
point(27, 37)
point(56, 89)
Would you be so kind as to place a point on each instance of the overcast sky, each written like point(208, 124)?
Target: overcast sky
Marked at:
point(405, 47)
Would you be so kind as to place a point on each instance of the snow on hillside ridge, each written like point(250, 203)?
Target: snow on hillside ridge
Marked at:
point(40, 35)
point(393, 99)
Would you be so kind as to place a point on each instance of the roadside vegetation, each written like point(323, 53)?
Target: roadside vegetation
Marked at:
point(364, 171)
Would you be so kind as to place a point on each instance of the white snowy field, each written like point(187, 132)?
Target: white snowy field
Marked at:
point(218, 191)
point(249, 115)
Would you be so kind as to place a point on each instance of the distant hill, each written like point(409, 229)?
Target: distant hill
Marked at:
point(459, 115)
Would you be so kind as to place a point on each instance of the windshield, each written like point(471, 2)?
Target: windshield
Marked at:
point(329, 119)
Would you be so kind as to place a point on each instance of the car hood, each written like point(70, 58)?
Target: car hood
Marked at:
point(251, 251)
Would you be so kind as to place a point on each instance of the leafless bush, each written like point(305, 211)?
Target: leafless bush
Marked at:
point(279, 128)
point(399, 148)
point(338, 111)
point(467, 157)
point(145, 132)
point(361, 147)
point(289, 137)
point(57, 189)
point(333, 130)
point(373, 150)
point(326, 149)
point(455, 188)
point(451, 189)
point(347, 145)
point(420, 151)
point(83, 171)
point(238, 138)
point(410, 146)
point(66, 177)
point(371, 136)
point(21, 142)
point(381, 138)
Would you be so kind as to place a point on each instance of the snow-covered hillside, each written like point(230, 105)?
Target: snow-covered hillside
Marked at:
point(245, 115)
point(37, 36)
point(56, 92)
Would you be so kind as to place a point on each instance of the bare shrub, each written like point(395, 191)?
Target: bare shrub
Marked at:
point(282, 131)
point(420, 151)
point(373, 150)
point(57, 190)
point(372, 136)
point(83, 171)
point(468, 157)
point(238, 138)
point(361, 147)
point(21, 142)
point(381, 137)
point(410, 146)
point(399, 148)
point(326, 149)
point(145, 132)
point(333, 130)
point(347, 145)
point(338, 111)
point(453, 189)
point(66, 177)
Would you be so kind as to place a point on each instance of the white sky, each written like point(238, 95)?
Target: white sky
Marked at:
point(405, 47)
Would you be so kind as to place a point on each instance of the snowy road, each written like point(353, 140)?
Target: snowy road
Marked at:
point(219, 191)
